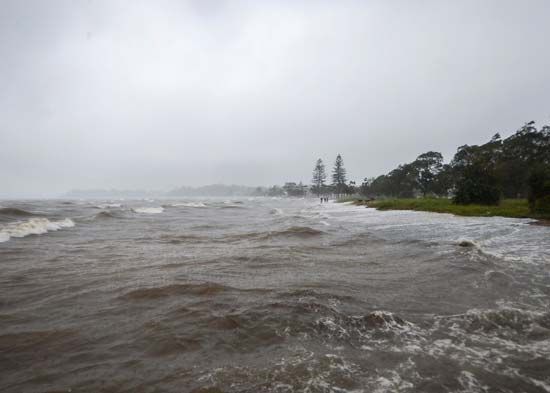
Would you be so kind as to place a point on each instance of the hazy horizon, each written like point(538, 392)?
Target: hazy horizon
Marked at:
point(143, 95)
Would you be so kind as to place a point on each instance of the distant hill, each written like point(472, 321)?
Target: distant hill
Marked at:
point(209, 190)
point(213, 190)
point(113, 193)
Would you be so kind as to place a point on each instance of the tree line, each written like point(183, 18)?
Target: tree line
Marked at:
point(515, 167)
point(320, 187)
point(338, 186)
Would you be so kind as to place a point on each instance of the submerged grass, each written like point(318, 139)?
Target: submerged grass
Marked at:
point(516, 208)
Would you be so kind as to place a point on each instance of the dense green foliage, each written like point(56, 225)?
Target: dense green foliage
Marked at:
point(477, 174)
point(539, 194)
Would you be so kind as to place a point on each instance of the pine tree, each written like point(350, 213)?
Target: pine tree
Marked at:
point(339, 175)
point(319, 177)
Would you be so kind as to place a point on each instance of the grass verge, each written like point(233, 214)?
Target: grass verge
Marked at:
point(516, 208)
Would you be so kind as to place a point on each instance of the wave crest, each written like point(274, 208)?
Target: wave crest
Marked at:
point(105, 215)
point(13, 211)
point(188, 204)
point(505, 321)
point(148, 210)
point(299, 232)
point(108, 205)
point(34, 226)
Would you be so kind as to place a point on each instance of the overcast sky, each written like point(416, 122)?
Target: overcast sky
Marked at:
point(157, 94)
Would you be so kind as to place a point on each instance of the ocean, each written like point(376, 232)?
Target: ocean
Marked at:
point(269, 295)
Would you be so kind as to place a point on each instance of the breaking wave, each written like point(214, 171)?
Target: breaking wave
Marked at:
point(34, 226)
point(188, 204)
point(468, 243)
point(148, 210)
point(504, 322)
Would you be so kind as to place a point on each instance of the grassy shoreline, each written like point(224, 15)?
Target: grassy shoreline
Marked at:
point(513, 208)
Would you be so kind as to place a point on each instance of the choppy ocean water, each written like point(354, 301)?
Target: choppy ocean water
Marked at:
point(269, 295)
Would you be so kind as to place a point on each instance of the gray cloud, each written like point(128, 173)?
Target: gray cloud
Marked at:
point(156, 94)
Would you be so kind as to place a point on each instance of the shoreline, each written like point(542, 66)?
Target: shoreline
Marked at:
point(508, 208)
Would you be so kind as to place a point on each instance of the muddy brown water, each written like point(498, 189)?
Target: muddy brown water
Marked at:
point(269, 295)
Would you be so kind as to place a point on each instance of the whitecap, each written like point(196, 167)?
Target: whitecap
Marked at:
point(189, 204)
point(470, 383)
point(108, 205)
point(463, 242)
point(276, 211)
point(34, 226)
point(148, 210)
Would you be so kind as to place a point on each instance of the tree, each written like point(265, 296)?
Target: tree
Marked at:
point(351, 188)
point(478, 184)
point(294, 190)
point(443, 182)
point(477, 173)
point(366, 187)
point(521, 152)
point(275, 191)
point(339, 175)
point(539, 189)
point(319, 177)
point(428, 166)
point(402, 181)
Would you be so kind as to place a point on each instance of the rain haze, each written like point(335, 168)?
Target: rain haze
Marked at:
point(278, 196)
point(154, 95)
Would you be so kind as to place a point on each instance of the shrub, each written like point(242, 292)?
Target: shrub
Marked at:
point(477, 185)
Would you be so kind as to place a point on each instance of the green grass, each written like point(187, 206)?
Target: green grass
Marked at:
point(517, 208)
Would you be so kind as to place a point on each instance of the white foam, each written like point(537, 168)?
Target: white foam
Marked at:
point(506, 239)
point(465, 242)
point(470, 383)
point(189, 204)
point(540, 384)
point(34, 226)
point(392, 383)
point(109, 205)
point(148, 210)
